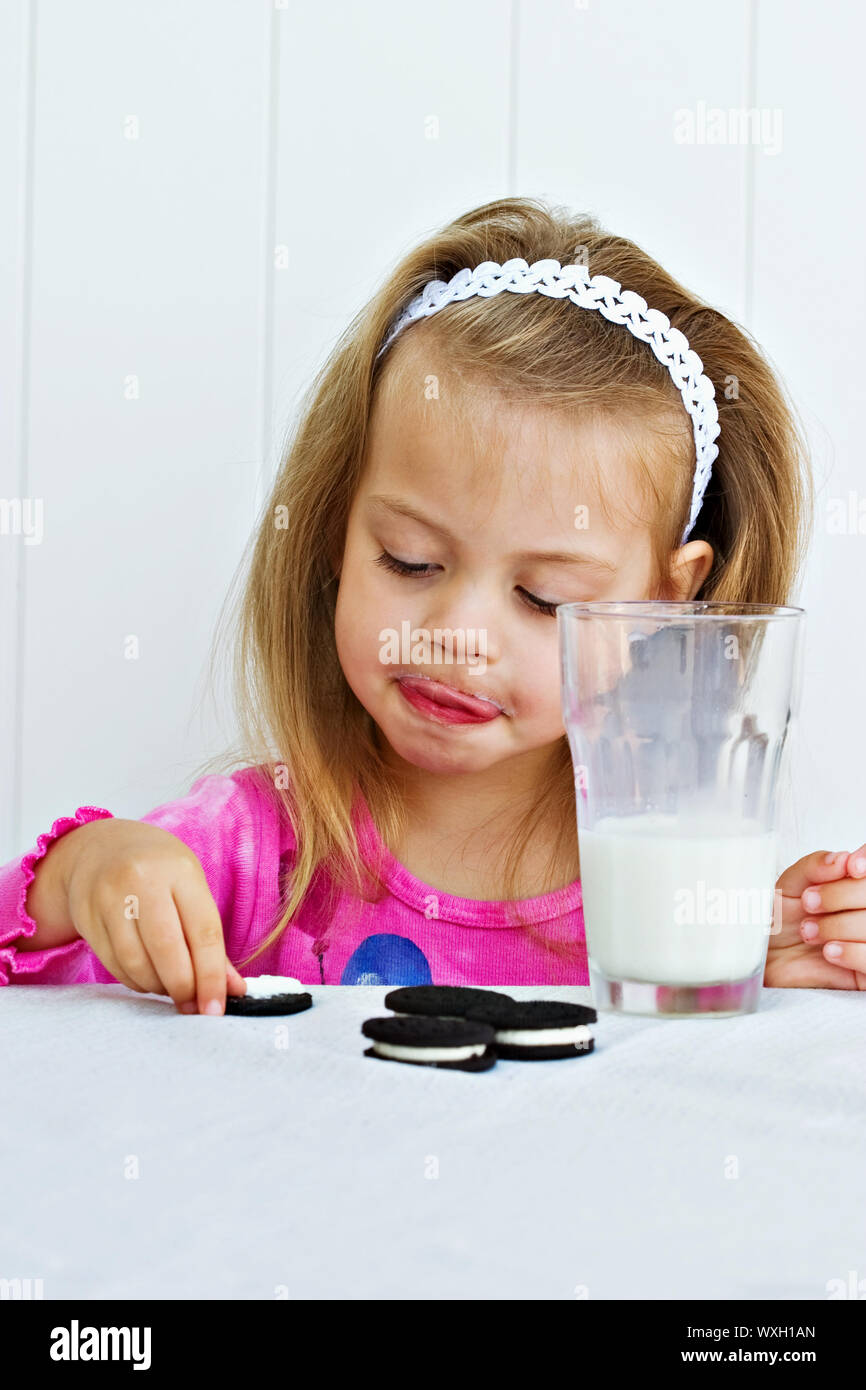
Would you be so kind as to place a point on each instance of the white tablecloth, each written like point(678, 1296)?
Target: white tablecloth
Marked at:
point(683, 1158)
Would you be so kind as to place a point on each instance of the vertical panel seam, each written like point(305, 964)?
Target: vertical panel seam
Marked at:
point(266, 320)
point(749, 190)
point(513, 85)
point(25, 313)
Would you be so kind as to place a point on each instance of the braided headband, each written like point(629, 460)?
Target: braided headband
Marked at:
point(620, 306)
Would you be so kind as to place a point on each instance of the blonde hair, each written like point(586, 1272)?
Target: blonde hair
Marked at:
point(296, 710)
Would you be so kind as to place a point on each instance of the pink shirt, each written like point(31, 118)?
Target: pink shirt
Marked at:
point(415, 934)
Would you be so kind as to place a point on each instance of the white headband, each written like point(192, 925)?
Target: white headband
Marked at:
point(620, 306)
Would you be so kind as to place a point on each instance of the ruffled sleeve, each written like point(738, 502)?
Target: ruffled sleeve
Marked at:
point(72, 962)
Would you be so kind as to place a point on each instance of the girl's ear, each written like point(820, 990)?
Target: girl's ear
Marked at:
point(690, 566)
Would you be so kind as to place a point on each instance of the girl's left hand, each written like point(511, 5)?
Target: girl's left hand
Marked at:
point(822, 940)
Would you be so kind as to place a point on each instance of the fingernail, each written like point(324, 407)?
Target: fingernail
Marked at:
point(833, 949)
point(812, 899)
point(213, 1006)
point(810, 930)
point(189, 1007)
point(859, 866)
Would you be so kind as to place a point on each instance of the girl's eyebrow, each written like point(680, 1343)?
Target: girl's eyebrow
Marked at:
point(396, 504)
point(566, 557)
point(555, 557)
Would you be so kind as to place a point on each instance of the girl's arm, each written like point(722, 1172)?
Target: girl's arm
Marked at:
point(220, 819)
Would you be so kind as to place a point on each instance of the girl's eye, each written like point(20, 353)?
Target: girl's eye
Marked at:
point(389, 562)
point(539, 605)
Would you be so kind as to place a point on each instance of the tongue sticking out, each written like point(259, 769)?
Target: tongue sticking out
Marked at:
point(452, 699)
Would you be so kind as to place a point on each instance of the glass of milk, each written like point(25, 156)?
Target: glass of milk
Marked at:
point(677, 716)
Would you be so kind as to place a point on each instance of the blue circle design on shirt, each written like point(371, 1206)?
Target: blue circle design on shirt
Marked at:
point(386, 959)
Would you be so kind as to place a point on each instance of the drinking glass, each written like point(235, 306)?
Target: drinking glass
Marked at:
point(677, 716)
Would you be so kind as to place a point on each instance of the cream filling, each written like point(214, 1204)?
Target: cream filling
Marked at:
point(265, 986)
point(453, 1018)
point(544, 1037)
point(430, 1054)
point(525, 1037)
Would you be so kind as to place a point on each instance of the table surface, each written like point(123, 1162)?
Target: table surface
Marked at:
point(147, 1154)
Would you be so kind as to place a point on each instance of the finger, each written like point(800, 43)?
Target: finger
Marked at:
point(850, 955)
point(789, 914)
point(857, 862)
point(203, 929)
point(99, 940)
point(121, 916)
point(835, 926)
point(133, 958)
point(802, 967)
point(812, 868)
point(235, 982)
point(163, 937)
point(846, 895)
point(787, 921)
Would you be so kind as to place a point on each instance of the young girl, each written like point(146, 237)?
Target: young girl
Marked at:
point(404, 812)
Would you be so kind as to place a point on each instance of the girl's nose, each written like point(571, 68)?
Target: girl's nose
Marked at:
point(464, 627)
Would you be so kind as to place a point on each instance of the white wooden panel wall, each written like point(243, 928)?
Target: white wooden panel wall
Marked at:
point(142, 427)
point(359, 178)
point(599, 91)
point(154, 265)
point(808, 308)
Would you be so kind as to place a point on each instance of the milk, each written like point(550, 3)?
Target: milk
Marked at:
point(677, 900)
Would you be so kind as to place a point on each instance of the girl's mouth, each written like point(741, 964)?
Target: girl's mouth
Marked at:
point(444, 704)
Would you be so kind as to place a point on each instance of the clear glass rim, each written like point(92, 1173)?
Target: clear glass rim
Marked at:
point(671, 610)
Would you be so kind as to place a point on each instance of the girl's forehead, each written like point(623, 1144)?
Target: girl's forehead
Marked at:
point(506, 451)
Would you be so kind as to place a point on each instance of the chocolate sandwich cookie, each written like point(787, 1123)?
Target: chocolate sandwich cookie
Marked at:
point(270, 994)
point(537, 1030)
point(439, 1001)
point(449, 1043)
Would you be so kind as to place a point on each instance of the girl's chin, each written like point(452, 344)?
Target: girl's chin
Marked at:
point(443, 755)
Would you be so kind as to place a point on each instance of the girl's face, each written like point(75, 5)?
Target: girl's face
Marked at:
point(464, 534)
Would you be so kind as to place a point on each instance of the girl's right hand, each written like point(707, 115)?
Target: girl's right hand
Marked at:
point(138, 895)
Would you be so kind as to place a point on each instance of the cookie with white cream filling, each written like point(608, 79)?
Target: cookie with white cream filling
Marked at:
point(449, 1043)
point(270, 994)
point(537, 1030)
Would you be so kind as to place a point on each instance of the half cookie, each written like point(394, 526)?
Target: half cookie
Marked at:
point(537, 1030)
point(439, 1001)
point(449, 1043)
point(270, 994)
